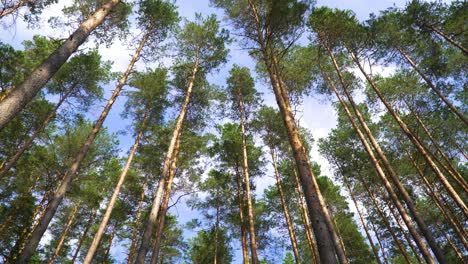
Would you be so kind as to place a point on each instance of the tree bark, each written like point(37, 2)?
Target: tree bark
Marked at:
point(449, 241)
point(246, 173)
point(382, 248)
point(27, 90)
point(321, 221)
point(71, 219)
point(292, 235)
point(145, 240)
point(110, 206)
point(245, 251)
point(111, 238)
point(165, 204)
point(421, 149)
point(306, 221)
point(432, 86)
point(84, 235)
point(12, 161)
point(443, 35)
point(131, 251)
point(363, 222)
point(69, 175)
point(13, 8)
point(381, 173)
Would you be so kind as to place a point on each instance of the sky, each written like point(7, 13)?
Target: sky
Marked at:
point(317, 114)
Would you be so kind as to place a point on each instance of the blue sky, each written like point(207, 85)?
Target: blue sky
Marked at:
point(317, 115)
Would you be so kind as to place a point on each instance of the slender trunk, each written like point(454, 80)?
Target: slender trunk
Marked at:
point(432, 86)
point(449, 241)
point(69, 175)
point(149, 226)
point(27, 90)
point(451, 170)
point(363, 222)
point(394, 177)
point(246, 172)
point(454, 223)
point(6, 222)
point(321, 221)
point(445, 36)
point(383, 216)
point(245, 251)
point(165, 204)
point(110, 206)
point(215, 261)
point(131, 251)
point(12, 161)
point(292, 235)
point(111, 238)
point(71, 218)
point(84, 235)
point(382, 248)
point(13, 8)
point(421, 149)
point(306, 221)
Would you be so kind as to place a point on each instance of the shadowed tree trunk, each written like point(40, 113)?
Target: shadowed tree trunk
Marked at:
point(84, 235)
point(64, 234)
point(443, 35)
point(245, 251)
point(12, 161)
point(109, 246)
point(131, 251)
point(27, 90)
point(69, 175)
point(110, 206)
point(149, 226)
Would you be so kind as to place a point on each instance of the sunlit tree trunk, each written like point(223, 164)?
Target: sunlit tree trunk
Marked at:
point(72, 170)
point(289, 223)
point(13, 8)
point(452, 245)
point(84, 235)
point(110, 206)
point(131, 251)
point(61, 241)
point(12, 161)
point(443, 35)
point(245, 251)
point(27, 90)
point(149, 226)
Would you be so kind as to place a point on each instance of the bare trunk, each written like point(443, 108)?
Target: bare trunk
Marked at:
point(363, 222)
point(215, 261)
point(131, 251)
point(449, 241)
point(292, 235)
point(381, 173)
point(423, 152)
point(432, 86)
point(27, 90)
point(84, 235)
point(245, 251)
point(445, 36)
point(306, 221)
point(246, 172)
point(64, 234)
point(69, 175)
point(165, 204)
point(149, 226)
point(382, 248)
point(110, 206)
point(321, 221)
point(383, 216)
point(111, 238)
point(12, 161)
point(13, 8)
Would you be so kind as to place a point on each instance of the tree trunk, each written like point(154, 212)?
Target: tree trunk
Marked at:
point(215, 261)
point(363, 222)
point(449, 241)
point(421, 149)
point(111, 238)
point(306, 221)
point(149, 226)
point(381, 173)
point(27, 90)
point(12, 161)
point(383, 216)
point(71, 218)
point(110, 206)
point(292, 235)
point(131, 251)
point(445, 36)
point(13, 8)
point(69, 175)
point(84, 235)
point(321, 221)
point(246, 173)
point(165, 203)
point(432, 86)
point(245, 251)
point(382, 248)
